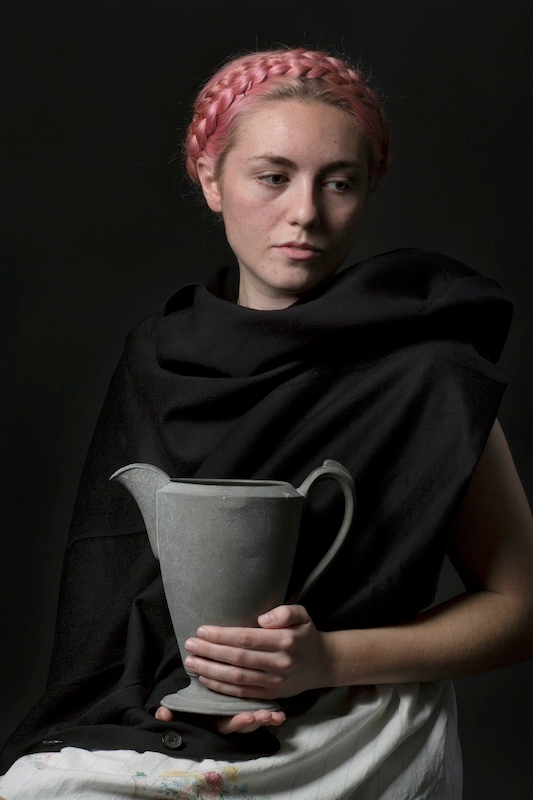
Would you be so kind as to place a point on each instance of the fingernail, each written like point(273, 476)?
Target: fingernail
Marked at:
point(202, 633)
point(190, 645)
point(265, 617)
point(190, 661)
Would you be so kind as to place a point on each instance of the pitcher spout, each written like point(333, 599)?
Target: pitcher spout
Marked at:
point(143, 481)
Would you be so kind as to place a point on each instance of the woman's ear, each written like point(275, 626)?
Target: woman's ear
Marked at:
point(210, 185)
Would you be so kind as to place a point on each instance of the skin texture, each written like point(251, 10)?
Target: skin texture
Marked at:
point(297, 195)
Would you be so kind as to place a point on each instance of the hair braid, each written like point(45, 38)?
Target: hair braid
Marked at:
point(271, 74)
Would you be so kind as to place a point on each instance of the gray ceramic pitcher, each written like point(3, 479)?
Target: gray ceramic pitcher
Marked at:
point(226, 550)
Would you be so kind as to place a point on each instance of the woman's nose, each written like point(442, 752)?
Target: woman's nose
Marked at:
point(304, 207)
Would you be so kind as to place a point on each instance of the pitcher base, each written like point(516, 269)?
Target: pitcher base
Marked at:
point(197, 699)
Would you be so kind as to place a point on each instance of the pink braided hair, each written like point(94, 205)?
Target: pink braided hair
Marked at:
point(280, 74)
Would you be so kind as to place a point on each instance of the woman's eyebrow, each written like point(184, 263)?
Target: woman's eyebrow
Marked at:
point(272, 158)
point(281, 161)
point(343, 164)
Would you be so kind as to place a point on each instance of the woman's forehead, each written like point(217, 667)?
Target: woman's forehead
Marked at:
point(281, 127)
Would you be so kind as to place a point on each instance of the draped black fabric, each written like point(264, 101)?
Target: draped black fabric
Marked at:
point(387, 368)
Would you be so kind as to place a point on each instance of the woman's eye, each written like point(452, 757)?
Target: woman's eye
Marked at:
point(338, 185)
point(273, 180)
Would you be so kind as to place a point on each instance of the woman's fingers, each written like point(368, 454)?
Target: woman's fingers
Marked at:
point(248, 721)
point(244, 691)
point(242, 638)
point(284, 617)
point(264, 638)
point(245, 722)
point(278, 633)
point(210, 671)
point(164, 714)
point(278, 659)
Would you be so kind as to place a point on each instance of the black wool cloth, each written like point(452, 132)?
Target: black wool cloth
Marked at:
point(388, 368)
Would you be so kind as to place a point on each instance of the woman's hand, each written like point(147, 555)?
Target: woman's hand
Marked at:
point(284, 656)
point(281, 658)
point(245, 722)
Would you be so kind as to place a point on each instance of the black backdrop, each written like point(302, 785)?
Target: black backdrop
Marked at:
point(100, 228)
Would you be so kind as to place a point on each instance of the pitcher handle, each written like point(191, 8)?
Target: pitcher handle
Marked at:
point(329, 469)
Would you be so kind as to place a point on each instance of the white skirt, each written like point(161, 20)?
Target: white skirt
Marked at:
point(393, 742)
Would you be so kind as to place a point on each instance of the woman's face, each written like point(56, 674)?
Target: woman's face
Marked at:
point(291, 194)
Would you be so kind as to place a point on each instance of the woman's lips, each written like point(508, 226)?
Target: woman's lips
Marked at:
point(298, 252)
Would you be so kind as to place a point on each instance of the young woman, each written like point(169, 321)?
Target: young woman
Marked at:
point(284, 360)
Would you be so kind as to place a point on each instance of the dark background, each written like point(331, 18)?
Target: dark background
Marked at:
point(100, 228)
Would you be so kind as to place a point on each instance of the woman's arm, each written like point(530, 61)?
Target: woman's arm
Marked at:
point(491, 624)
point(488, 626)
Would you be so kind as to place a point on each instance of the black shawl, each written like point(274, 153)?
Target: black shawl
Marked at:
point(387, 368)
